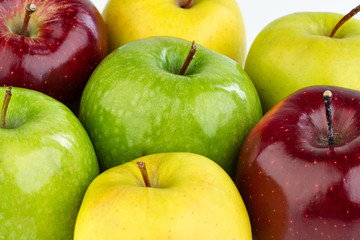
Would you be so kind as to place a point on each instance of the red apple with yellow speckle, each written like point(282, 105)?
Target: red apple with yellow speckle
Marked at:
point(299, 169)
point(50, 46)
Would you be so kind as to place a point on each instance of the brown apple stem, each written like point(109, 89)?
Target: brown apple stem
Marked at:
point(189, 57)
point(144, 173)
point(5, 107)
point(30, 8)
point(187, 4)
point(327, 100)
point(344, 19)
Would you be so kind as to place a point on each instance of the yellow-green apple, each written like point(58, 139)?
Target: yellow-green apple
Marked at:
point(47, 162)
point(299, 169)
point(215, 24)
point(50, 46)
point(296, 51)
point(176, 196)
point(137, 103)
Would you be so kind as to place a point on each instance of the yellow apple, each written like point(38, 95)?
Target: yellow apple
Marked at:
point(215, 24)
point(296, 51)
point(190, 197)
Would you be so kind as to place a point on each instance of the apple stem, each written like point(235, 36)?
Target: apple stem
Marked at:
point(327, 100)
point(144, 173)
point(5, 107)
point(30, 8)
point(187, 4)
point(188, 58)
point(344, 19)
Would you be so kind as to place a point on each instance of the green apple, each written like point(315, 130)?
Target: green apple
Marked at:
point(46, 164)
point(189, 197)
point(135, 103)
point(296, 51)
point(215, 24)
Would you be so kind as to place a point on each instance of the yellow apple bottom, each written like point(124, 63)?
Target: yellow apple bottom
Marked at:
point(190, 197)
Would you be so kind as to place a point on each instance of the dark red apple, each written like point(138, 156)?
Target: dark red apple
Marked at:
point(63, 43)
point(294, 183)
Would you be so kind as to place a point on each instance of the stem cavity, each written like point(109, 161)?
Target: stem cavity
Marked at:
point(188, 58)
point(344, 19)
point(144, 173)
point(187, 4)
point(5, 107)
point(30, 9)
point(327, 100)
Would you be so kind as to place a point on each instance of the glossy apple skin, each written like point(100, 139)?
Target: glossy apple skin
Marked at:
point(47, 161)
point(217, 25)
point(294, 185)
point(191, 198)
point(296, 49)
point(67, 41)
point(136, 103)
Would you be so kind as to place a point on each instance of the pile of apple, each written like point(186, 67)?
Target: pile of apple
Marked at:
point(162, 135)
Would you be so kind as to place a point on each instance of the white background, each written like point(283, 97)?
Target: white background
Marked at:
point(258, 13)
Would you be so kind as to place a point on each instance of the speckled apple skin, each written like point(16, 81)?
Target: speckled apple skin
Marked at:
point(67, 40)
point(46, 163)
point(294, 185)
point(135, 103)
